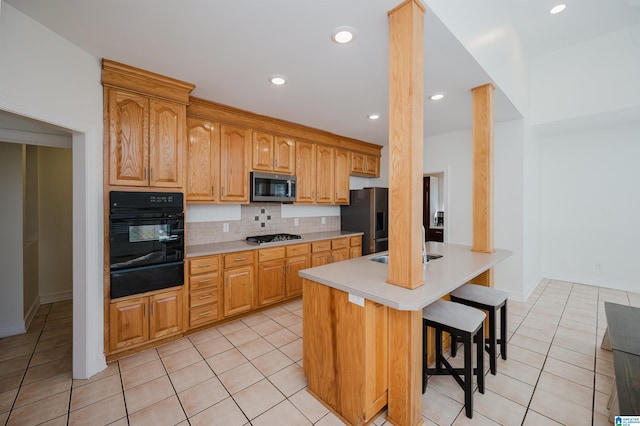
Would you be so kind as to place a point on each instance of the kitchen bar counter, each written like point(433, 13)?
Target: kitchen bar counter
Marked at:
point(362, 355)
point(241, 245)
point(365, 278)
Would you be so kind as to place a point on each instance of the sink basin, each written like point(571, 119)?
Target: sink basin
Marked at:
point(385, 258)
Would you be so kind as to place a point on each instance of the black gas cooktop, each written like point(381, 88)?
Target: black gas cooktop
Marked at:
point(271, 238)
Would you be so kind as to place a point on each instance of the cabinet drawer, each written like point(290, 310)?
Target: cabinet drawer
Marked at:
point(319, 246)
point(355, 241)
point(203, 265)
point(271, 254)
point(203, 315)
point(238, 259)
point(297, 250)
point(339, 244)
point(203, 297)
point(197, 282)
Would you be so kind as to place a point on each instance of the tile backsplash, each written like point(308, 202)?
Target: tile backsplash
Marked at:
point(257, 219)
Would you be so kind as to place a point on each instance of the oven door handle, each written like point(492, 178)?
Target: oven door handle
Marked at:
point(141, 268)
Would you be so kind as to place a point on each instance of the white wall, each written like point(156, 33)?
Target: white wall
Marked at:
point(45, 77)
point(590, 78)
point(590, 206)
point(11, 277)
point(55, 224)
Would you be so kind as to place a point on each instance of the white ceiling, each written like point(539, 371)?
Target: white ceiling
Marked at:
point(229, 48)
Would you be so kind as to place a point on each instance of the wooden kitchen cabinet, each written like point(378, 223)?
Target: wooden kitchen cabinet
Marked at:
point(355, 244)
point(305, 172)
point(140, 320)
point(146, 140)
point(342, 166)
point(329, 251)
point(235, 151)
point(324, 174)
point(238, 282)
point(273, 153)
point(278, 272)
point(203, 160)
point(365, 165)
point(204, 290)
point(297, 260)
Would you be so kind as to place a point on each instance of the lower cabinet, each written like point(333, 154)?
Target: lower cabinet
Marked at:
point(278, 272)
point(204, 290)
point(238, 283)
point(329, 251)
point(356, 247)
point(143, 319)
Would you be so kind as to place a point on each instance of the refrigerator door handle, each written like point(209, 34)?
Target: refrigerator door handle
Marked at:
point(381, 239)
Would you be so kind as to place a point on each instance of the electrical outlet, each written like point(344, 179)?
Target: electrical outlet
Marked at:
point(356, 300)
point(225, 227)
point(324, 220)
point(296, 222)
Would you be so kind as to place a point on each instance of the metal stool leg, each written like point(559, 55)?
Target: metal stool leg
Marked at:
point(439, 355)
point(492, 341)
point(480, 355)
point(503, 331)
point(468, 375)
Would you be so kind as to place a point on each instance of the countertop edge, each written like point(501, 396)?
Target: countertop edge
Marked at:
point(199, 250)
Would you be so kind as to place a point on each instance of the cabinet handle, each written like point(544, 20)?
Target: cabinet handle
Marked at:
point(205, 297)
point(152, 174)
point(213, 192)
point(336, 195)
point(146, 173)
point(144, 310)
point(205, 281)
point(240, 259)
point(205, 313)
point(288, 269)
point(204, 265)
point(276, 160)
point(284, 270)
point(223, 191)
point(153, 308)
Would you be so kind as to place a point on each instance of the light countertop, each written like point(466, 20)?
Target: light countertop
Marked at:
point(365, 278)
point(241, 245)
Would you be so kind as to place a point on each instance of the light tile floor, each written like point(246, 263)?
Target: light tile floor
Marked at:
point(249, 372)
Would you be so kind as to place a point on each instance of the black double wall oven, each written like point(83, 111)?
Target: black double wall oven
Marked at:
point(146, 241)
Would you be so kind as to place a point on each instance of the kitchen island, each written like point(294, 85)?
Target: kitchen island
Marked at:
point(356, 328)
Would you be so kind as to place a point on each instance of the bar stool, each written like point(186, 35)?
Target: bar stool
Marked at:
point(490, 300)
point(462, 321)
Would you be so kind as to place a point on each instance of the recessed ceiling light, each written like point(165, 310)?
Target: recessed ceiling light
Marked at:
point(436, 96)
point(373, 116)
point(557, 9)
point(343, 35)
point(278, 79)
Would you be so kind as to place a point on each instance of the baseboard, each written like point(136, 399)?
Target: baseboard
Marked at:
point(31, 313)
point(12, 329)
point(56, 297)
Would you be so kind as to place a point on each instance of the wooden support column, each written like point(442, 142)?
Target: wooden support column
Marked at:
point(406, 106)
point(483, 175)
point(406, 114)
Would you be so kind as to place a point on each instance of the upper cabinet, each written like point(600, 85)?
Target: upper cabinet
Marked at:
point(235, 149)
point(273, 153)
point(365, 165)
point(145, 127)
point(332, 175)
point(203, 160)
point(305, 172)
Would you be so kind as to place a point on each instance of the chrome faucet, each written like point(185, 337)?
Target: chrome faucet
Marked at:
point(424, 246)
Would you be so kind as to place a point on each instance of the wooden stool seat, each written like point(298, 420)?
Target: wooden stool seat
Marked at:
point(466, 323)
point(490, 300)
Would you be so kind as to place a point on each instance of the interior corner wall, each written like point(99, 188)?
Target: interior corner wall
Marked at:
point(11, 249)
point(590, 206)
point(30, 291)
point(55, 224)
point(531, 212)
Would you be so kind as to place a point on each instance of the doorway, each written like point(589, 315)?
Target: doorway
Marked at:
point(433, 214)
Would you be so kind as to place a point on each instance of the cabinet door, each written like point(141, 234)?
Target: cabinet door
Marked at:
point(271, 281)
point(262, 152)
point(167, 143)
point(305, 172)
point(372, 165)
point(166, 314)
point(339, 255)
point(203, 159)
point(342, 166)
point(294, 281)
point(128, 139)
point(235, 149)
point(238, 290)
point(324, 174)
point(128, 323)
point(357, 163)
point(284, 155)
point(319, 259)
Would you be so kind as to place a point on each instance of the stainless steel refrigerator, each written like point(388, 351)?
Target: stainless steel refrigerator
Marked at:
point(368, 212)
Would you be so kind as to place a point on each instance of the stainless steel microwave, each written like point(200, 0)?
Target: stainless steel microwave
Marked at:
point(273, 187)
